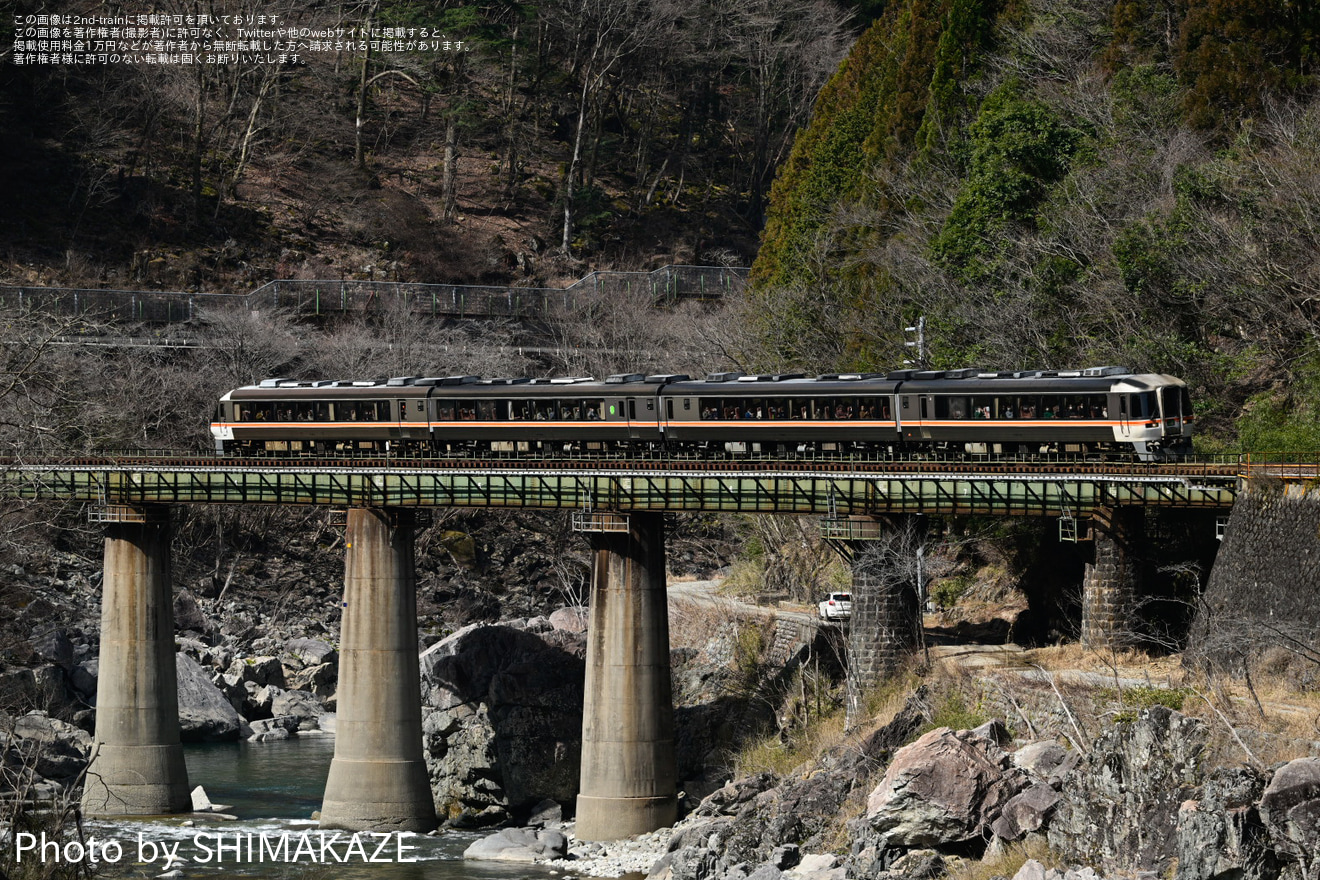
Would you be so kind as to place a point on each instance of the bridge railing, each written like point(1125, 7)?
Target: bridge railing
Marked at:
point(318, 297)
point(1285, 465)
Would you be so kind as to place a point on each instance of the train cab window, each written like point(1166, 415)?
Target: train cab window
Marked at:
point(1142, 405)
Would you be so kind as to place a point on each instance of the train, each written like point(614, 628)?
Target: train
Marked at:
point(1096, 412)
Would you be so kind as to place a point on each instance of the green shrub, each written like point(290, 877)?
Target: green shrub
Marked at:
point(952, 712)
point(948, 591)
point(1132, 700)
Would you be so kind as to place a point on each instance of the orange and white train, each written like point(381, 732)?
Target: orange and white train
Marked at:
point(1096, 412)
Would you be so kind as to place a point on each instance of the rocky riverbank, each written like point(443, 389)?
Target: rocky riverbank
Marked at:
point(1142, 800)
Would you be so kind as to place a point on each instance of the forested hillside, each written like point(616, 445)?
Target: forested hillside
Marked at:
point(543, 139)
point(1059, 183)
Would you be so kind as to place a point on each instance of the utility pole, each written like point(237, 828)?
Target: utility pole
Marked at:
point(919, 343)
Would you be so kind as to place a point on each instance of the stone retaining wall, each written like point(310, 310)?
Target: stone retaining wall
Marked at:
point(1264, 589)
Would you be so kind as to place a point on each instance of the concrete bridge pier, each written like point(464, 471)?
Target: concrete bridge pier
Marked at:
point(628, 777)
point(137, 766)
point(1111, 581)
point(378, 779)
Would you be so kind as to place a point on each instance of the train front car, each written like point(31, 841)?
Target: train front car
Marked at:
point(307, 417)
point(1096, 412)
point(1155, 416)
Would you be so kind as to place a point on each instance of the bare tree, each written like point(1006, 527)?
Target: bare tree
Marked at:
point(599, 34)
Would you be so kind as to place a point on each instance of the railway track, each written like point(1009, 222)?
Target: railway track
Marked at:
point(923, 467)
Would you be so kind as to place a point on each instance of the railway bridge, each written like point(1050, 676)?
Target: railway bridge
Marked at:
point(378, 777)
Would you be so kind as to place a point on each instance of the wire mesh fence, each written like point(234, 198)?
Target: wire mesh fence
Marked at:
point(668, 285)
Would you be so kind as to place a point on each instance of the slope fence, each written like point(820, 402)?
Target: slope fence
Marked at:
point(668, 285)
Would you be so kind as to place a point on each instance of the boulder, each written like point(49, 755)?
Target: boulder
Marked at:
point(297, 704)
point(519, 845)
point(1046, 760)
point(204, 712)
point(1026, 811)
point(795, 812)
point(547, 812)
point(40, 687)
point(572, 620)
point(502, 718)
point(262, 670)
point(201, 803)
point(273, 729)
point(53, 646)
point(1220, 834)
point(310, 652)
point(188, 614)
point(1119, 806)
point(321, 680)
point(1290, 809)
point(947, 787)
point(53, 748)
point(83, 678)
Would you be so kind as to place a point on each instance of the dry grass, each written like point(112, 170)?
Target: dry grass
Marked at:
point(1008, 862)
point(1164, 670)
point(786, 756)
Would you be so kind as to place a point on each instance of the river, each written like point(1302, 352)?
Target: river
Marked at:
point(273, 788)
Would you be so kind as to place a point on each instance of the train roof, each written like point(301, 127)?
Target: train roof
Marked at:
point(1095, 380)
point(725, 384)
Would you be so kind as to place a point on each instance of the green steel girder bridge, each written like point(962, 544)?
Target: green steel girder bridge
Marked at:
point(378, 779)
point(828, 488)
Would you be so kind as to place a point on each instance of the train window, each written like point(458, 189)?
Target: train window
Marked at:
point(313, 411)
point(950, 407)
point(985, 408)
point(485, 410)
point(257, 412)
point(687, 404)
